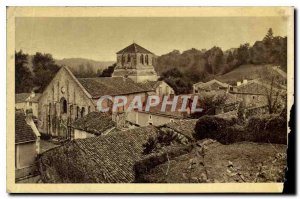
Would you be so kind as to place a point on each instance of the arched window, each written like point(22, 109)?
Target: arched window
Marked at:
point(128, 58)
point(82, 111)
point(63, 105)
point(146, 60)
point(142, 58)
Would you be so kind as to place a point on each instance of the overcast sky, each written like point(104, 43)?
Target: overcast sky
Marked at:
point(101, 38)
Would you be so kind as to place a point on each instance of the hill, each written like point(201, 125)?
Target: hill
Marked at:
point(75, 63)
point(247, 71)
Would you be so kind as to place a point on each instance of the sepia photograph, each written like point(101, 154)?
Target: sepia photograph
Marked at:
point(149, 96)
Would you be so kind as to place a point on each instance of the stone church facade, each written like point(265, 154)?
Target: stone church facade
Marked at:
point(63, 101)
point(68, 98)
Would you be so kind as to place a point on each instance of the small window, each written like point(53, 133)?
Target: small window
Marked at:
point(142, 58)
point(82, 111)
point(150, 123)
point(89, 109)
point(128, 58)
point(146, 60)
point(30, 103)
point(171, 120)
point(150, 117)
point(253, 97)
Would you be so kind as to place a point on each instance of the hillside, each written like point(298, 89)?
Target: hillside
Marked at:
point(75, 63)
point(248, 71)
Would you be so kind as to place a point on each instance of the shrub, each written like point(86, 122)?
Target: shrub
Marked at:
point(214, 127)
point(263, 129)
point(267, 128)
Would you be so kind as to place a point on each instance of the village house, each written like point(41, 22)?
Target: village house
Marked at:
point(28, 102)
point(26, 146)
point(254, 92)
point(159, 88)
point(93, 124)
point(20, 101)
point(68, 98)
point(155, 116)
point(212, 85)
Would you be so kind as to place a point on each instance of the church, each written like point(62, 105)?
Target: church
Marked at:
point(68, 98)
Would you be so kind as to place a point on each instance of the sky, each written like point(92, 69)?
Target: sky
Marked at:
point(99, 38)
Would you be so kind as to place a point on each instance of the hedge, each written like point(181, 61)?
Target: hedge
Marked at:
point(262, 129)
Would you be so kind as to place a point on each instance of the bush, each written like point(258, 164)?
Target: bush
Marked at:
point(214, 127)
point(267, 128)
point(262, 129)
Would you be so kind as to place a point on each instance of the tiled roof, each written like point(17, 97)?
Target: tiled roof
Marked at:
point(101, 86)
point(185, 127)
point(35, 98)
point(21, 97)
point(150, 85)
point(207, 85)
point(134, 48)
point(280, 72)
point(94, 122)
point(23, 132)
point(103, 159)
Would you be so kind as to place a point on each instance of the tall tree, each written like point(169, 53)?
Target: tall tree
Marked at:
point(44, 68)
point(269, 36)
point(23, 76)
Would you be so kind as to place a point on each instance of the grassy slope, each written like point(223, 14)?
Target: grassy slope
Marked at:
point(248, 71)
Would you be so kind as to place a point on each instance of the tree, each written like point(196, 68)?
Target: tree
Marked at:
point(44, 68)
point(243, 54)
point(274, 92)
point(269, 37)
point(108, 71)
point(23, 76)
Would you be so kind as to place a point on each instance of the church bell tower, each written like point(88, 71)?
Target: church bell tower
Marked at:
point(136, 63)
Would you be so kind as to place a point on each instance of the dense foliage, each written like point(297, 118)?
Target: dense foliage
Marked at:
point(181, 70)
point(262, 129)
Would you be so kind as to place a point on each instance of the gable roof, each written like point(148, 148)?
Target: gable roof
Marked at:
point(134, 48)
point(101, 86)
point(208, 84)
point(23, 131)
point(21, 97)
point(107, 159)
point(94, 122)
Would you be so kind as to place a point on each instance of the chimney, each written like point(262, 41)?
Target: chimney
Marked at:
point(238, 83)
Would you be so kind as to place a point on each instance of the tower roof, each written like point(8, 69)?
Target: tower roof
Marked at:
point(134, 48)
